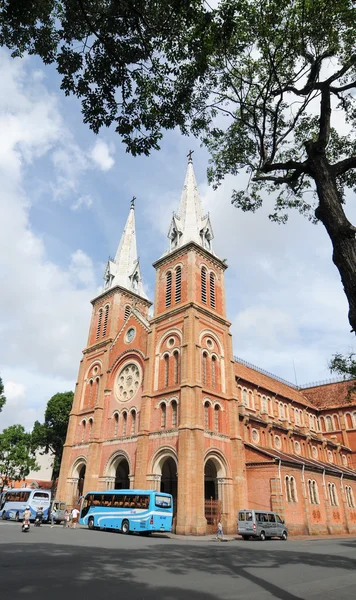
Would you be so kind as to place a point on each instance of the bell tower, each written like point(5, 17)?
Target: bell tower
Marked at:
point(194, 362)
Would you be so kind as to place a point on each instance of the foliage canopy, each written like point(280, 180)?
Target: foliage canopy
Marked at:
point(17, 457)
point(267, 85)
point(2, 395)
point(50, 435)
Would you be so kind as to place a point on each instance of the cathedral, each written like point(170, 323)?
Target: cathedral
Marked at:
point(162, 403)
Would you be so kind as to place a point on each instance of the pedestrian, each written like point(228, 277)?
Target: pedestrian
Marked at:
point(66, 518)
point(53, 516)
point(75, 515)
point(219, 534)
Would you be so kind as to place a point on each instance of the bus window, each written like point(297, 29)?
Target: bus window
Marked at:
point(163, 501)
point(249, 516)
point(43, 495)
point(241, 516)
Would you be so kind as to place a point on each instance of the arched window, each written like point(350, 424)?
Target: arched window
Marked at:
point(83, 431)
point(204, 367)
point(213, 372)
point(281, 411)
point(90, 394)
point(264, 408)
point(174, 413)
point(328, 423)
point(166, 370)
point(90, 433)
point(133, 422)
point(203, 285)
point(332, 494)
point(176, 366)
point(291, 489)
point(212, 290)
point(168, 289)
point(163, 415)
point(127, 312)
point(336, 423)
point(124, 423)
point(116, 424)
point(349, 496)
point(206, 415)
point(216, 418)
point(100, 318)
point(178, 283)
point(354, 419)
point(313, 491)
point(106, 319)
point(96, 391)
point(244, 398)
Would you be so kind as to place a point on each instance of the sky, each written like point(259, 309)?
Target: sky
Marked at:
point(65, 197)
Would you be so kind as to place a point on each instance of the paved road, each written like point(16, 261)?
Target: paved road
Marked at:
point(59, 564)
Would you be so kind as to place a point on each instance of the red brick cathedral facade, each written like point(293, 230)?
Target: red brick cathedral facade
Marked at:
point(162, 403)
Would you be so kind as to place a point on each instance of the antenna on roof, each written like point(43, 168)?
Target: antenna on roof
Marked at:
point(295, 375)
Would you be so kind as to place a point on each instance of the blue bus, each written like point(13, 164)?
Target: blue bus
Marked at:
point(14, 502)
point(143, 511)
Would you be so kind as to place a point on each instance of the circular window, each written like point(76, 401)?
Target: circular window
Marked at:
point(277, 442)
point(314, 452)
point(130, 334)
point(255, 436)
point(209, 343)
point(171, 342)
point(330, 456)
point(297, 447)
point(127, 382)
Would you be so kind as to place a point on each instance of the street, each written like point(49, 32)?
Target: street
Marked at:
point(63, 564)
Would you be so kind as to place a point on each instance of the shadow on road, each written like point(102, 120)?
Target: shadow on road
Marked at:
point(60, 571)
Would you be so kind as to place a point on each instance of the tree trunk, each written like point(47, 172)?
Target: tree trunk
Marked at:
point(342, 233)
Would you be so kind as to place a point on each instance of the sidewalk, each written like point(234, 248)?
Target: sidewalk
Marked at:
point(237, 538)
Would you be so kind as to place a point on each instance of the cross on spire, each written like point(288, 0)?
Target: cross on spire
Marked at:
point(189, 156)
point(133, 202)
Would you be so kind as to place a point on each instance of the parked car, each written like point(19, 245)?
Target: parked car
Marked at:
point(260, 524)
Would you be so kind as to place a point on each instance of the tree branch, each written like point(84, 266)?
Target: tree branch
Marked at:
point(343, 166)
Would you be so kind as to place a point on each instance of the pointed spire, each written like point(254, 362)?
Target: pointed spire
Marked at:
point(124, 270)
point(189, 224)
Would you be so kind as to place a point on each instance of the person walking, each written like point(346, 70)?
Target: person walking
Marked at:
point(219, 534)
point(53, 516)
point(75, 515)
point(66, 519)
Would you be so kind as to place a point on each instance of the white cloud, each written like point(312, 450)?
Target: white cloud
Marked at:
point(101, 155)
point(14, 391)
point(85, 201)
point(44, 307)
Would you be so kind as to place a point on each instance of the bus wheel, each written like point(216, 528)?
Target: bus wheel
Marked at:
point(262, 536)
point(125, 527)
point(3, 516)
point(284, 536)
point(17, 517)
point(91, 523)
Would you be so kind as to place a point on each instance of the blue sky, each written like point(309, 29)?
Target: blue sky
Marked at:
point(65, 196)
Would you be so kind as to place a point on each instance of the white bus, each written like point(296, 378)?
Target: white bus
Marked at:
point(14, 502)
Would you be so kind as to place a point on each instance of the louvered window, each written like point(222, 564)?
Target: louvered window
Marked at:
point(168, 289)
point(213, 372)
point(124, 423)
point(163, 415)
point(166, 370)
point(100, 318)
point(127, 312)
point(106, 320)
point(178, 283)
point(212, 290)
point(174, 413)
point(203, 285)
point(206, 415)
point(204, 367)
point(216, 418)
point(176, 367)
point(133, 422)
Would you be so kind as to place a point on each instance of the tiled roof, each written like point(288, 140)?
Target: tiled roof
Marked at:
point(331, 395)
point(270, 385)
point(302, 460)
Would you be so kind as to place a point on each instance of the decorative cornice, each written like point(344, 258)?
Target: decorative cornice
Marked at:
point(174, 254)
point(128, 351)
point(123, 291)
point(188, 305)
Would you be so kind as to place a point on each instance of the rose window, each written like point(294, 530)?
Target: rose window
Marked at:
point(128, 381)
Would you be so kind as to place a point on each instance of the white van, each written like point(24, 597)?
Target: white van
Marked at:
point(260, 524)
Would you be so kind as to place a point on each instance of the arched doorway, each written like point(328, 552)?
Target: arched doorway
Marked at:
point(122, 480)
point(169, 478)
point(213, 472)
point(81, 479)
